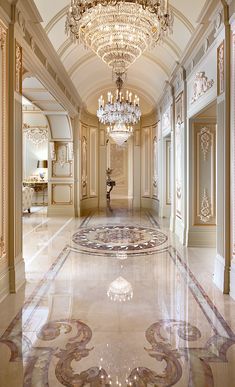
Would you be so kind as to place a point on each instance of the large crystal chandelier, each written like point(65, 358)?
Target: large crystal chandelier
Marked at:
point(119, 31)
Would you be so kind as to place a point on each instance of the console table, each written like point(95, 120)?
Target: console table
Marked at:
point(39, 187)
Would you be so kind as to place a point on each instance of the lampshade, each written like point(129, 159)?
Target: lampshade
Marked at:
point(42, 164)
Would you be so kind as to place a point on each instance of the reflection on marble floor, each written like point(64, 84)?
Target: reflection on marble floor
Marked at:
point(95, 313)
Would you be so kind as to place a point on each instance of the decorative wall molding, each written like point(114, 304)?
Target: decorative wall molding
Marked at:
point(3, 144)
point(84, 167)
point(36, 134)
point(220, 68)
point(205, 135)
point(205, 211)
point(204, 161)
point(93, 176)
point(168, 172)
point(52, 150)
point(146, 175)
point(3, 36)
point(62, 163)
point(18, 68)
point(40, 55)
point(233, 139)
point(62, 194)
point(179, 110)
point(155, 168)
point(201, 85)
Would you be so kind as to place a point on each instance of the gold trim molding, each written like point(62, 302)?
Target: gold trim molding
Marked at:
point(53, 193)
point(18, 68)
point(3, 144)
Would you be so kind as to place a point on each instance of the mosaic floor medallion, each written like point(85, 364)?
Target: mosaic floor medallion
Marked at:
point(129, 239)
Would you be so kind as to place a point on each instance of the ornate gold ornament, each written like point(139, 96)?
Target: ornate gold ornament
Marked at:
point(18, 68)
point(205, 212)
point(3, 36)
point(220, 68)
point(36, 134)
point(205, 135)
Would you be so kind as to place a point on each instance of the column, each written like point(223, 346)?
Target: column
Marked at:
point(232, 276)
point(16, 262)
point(223, 243)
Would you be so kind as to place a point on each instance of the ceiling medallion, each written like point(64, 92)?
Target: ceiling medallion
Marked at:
point(119, 31)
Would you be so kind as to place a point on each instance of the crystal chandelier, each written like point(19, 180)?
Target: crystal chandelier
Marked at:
point(120, 290)
point(119, 108)
point(120, 132)
point(119, 31)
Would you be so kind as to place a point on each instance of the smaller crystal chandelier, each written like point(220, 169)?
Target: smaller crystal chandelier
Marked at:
point(120, 113)
point(120, 132)
point(119, 108)
point(120, 290)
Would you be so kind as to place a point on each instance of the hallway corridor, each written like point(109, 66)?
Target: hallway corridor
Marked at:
point(112, 298)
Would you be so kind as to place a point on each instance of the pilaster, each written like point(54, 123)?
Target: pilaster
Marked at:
point(16, 262)
point(223, 243)
point(232, 274)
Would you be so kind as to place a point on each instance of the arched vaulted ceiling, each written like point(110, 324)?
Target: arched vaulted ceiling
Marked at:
point(146, 76)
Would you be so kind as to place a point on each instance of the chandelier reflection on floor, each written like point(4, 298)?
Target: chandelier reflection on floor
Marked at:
point(119, 31)
point(120, 290)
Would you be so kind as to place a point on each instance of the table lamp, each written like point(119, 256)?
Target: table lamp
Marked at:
point(42, 164)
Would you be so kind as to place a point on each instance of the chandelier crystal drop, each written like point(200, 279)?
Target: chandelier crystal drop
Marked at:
point(119, 31)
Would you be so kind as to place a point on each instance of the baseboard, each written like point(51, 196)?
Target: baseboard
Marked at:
point(58, 210)
point(232, 280)
point(4, 284)
point(219, 272)
point(180, 230)
point(19, 274)
point(172, 223)
point(150, 204)
point(201, 237)
point(88, 204)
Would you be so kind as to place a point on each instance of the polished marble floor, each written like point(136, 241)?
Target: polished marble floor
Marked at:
point(113, 299)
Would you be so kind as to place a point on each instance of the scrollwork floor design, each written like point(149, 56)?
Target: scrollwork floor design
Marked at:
point(70, 333)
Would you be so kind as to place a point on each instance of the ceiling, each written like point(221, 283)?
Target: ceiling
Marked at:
point(39, 97)
point(146, 76)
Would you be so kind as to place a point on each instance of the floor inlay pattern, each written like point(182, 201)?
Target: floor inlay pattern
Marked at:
point(71, 332)
point(120, 238)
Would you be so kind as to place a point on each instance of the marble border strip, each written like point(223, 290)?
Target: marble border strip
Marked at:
point(28, 262)
point(40, 290)
point(114, 254)
point(152, 219)
point(35, 228)
point(33, 301)
point(210, 311)
point(87, 219)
